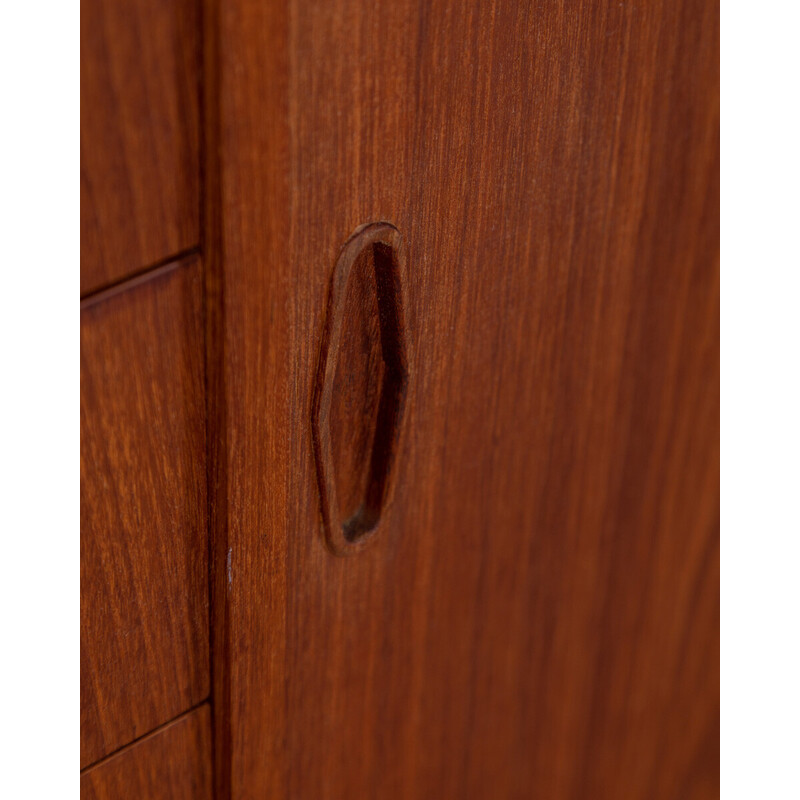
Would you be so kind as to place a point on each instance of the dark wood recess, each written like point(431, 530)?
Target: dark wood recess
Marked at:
point(539, 615)
point(140, 128)
point(144, 546)
point(174, 763)
point(361, 387)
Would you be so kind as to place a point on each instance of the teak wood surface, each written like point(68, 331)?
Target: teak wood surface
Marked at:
point(144, 545)
point(173, 763)
point(362, 382)
point(140, 135)
point(539, 615)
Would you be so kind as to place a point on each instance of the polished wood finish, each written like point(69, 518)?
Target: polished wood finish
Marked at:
point(361, 387)
point(140, 127)
point(539, 616)
point(144, 545)
point(174, 763)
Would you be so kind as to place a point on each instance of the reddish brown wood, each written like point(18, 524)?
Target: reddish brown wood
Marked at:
point(362, 379)
point(144, 580)
point(139, 135)
point(174, 763)
point(539, 616)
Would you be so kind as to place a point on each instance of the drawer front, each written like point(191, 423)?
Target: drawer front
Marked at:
point(139, 135)
point(174, 763)
point(144, 582)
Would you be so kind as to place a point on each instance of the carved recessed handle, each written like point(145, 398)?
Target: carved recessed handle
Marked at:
point(359, 397)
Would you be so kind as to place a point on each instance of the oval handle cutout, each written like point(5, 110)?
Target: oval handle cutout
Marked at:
point(362, 379)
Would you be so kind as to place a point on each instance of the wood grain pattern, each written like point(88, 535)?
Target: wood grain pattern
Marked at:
point(140, 128)
point(357, 372)
point(144, 546)
point(539, 617)
point(362, 381)
point(174, 763)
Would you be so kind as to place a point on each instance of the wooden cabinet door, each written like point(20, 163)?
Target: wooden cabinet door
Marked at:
point(536, 613)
